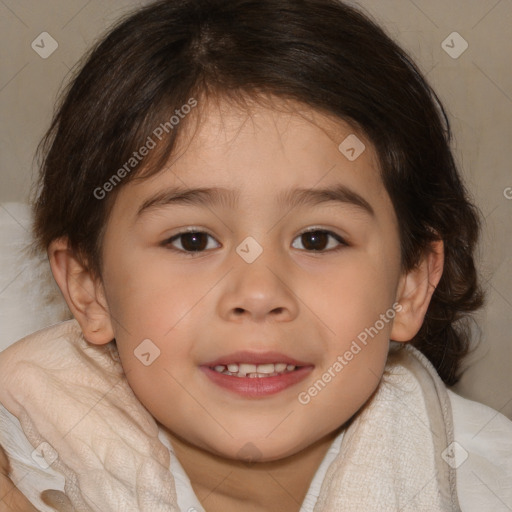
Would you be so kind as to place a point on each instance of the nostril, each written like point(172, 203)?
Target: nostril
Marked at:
point(239, 311)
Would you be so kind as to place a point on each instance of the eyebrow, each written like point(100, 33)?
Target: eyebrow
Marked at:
point(218, 196)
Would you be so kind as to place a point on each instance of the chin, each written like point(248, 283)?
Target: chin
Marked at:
point(260, 449)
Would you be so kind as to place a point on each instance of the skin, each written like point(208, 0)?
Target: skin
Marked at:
point(11, 499)
point(308, 305)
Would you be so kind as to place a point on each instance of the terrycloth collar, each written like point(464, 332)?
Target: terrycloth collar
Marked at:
point(391, 456)
point(74, 397)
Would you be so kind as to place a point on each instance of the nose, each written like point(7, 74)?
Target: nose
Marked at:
point(258, 291)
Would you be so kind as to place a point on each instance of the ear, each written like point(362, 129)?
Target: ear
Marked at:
point(415, 290)
point(83, 293)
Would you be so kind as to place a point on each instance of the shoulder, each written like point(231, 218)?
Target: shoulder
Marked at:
point(48, 361)
point(41, 344)
point(482, 455)
point(42, 349)
point(25, 369)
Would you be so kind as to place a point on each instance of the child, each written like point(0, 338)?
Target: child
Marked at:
point(298, 357)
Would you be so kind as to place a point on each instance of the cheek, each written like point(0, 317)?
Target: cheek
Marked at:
point(352, 295)
point(158, 363)
point(146, 295)
point(355, 305)
point(337, 394)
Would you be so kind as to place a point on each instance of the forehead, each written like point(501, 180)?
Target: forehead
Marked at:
point(260, 153)
point(268, 128)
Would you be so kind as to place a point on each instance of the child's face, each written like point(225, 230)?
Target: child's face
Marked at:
point(308, 306)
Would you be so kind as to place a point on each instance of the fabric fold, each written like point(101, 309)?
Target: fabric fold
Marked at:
point(391, 456)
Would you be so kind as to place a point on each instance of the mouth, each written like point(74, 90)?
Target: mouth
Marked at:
point(255, 375)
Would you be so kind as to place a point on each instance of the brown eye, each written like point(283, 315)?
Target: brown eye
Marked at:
point(318, 240)
point(190, 241)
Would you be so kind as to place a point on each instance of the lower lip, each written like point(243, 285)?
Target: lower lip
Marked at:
point(258, 386)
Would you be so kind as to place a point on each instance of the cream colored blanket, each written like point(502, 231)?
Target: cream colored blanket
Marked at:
point(73, 397)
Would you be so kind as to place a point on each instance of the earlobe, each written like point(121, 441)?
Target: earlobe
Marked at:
point(415, 292)
point(82, 291)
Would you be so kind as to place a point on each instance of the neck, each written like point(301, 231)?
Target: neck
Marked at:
point(227, 484)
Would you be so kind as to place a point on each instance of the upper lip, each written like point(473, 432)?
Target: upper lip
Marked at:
point(245, 356)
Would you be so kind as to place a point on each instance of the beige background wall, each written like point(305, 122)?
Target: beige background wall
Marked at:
point(476, 88)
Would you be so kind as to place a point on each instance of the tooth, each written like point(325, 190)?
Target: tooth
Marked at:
point(254, 371)
point(246, 368)
point(265, 368)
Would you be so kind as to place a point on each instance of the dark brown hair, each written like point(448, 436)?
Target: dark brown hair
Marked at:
point(321, 53)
